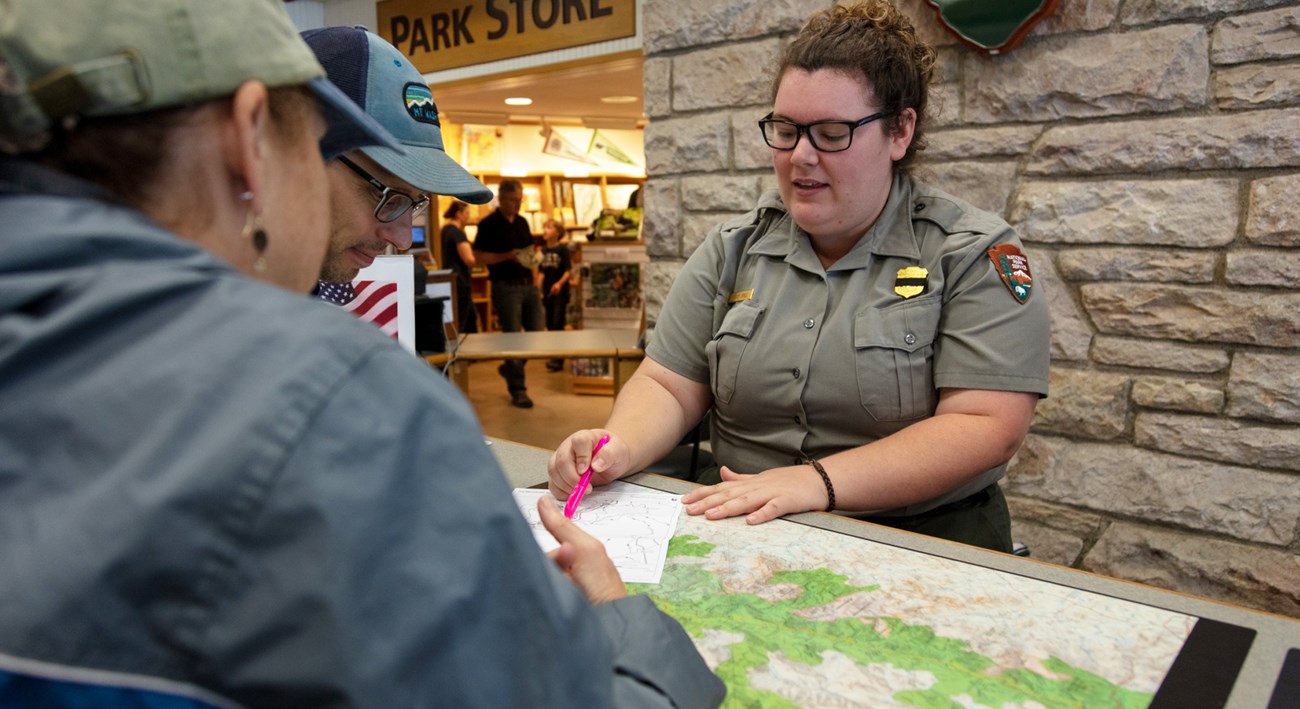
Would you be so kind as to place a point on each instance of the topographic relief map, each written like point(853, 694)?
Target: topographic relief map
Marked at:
point(793, 616)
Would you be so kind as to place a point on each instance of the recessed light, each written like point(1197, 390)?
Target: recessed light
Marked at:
point(519, 101)
point(618, 99)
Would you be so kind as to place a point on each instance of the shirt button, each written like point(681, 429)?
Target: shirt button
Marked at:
point(808, 323)
point(795, 372)
point(910, 339)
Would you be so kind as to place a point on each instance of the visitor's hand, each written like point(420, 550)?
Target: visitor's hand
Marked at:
point(762, 497)
point(581, 556)
point(570, 460)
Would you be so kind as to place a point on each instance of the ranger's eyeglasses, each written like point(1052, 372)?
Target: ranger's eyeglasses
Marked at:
point(825, 136)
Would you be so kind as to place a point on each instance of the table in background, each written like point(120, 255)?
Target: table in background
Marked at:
point(1269, 674)
point(619, 345)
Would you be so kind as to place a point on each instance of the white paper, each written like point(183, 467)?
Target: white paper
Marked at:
point(634, 523)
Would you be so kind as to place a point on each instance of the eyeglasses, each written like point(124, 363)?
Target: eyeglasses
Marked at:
point(825, 136)
point(392, 203)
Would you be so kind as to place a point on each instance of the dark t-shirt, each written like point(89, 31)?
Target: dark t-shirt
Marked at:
point(555, 262)
point(498, 236)
point(452, 236)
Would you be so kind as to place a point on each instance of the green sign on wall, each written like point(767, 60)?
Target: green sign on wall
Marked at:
point(993, 26)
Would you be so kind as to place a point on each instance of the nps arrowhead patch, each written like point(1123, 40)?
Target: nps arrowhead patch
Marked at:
point(1013, 266)
point(993, 27)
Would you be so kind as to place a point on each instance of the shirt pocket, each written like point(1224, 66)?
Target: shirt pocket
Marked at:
point(728, 347)
point(894, 358)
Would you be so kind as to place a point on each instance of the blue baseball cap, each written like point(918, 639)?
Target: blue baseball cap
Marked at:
point(391, 90)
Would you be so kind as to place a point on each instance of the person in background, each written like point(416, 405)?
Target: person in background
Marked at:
point(458, 255)
point(214, 490)
point(375, 192)
point(553, 281)
point(865, 343)
point(504, 244)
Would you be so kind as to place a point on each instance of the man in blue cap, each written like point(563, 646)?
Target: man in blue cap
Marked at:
point(376, 192)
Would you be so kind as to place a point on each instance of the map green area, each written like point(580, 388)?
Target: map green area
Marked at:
point(793, 616)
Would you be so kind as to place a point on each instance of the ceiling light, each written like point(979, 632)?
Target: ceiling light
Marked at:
point(519, 101)
point(618, 99)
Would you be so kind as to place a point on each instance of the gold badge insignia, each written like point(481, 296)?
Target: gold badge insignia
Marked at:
point(741, 295)
point(910, 282)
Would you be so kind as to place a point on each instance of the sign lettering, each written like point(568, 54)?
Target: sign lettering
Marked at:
point(440, 34)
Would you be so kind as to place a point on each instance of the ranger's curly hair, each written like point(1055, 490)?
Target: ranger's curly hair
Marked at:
point(874, 42)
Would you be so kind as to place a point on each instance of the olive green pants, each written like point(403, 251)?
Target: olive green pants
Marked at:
point(980, 520)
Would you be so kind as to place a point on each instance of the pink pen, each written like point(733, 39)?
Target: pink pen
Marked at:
point(572, 505)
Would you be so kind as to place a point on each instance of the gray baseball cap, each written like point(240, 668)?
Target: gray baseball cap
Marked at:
point(391, 90)
point(63, 59)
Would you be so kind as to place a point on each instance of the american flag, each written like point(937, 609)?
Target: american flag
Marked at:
point(376, 302)
point(336, 293)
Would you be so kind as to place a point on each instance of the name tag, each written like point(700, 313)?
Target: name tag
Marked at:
point(741, 295)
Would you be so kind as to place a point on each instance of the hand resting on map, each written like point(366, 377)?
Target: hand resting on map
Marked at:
point(761, 497)
point(581, 556)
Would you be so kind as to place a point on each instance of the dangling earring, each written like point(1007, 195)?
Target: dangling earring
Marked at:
point(253, 230)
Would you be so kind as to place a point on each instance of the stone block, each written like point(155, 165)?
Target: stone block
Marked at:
point(1178, 394)
point(1257, 86)
point(717, 192)
point(1083, 403)
point(1257, 36)
point(1196, 495)
point(1141, 12)
point(1259, 267)
point(944, 108)
point(694, 144)
point(1235, 441)
point(657, 281)
point(724, 76)
point(1155, 145)
point(1071, 333)
point(676, 24)
point(696, 226)
point(1053, 533)
point(1192, 213)
point(1255, 577)
point(657, 76)
point(1149, 71)
point(1274, 213)
point(661, 221)
point(751, 153)
point(987, 185)
point(1155, 354)
point(1079, 16)
point(1194, 313)
point(968, 143)
point(1138, 264)
point(1045, 543)
point(1265, 386)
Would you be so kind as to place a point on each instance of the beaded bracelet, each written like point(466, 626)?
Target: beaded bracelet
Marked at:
point(830, 491)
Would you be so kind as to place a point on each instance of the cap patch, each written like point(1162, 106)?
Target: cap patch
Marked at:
point(910, 282)
point(1013, 266)
point(419, 103)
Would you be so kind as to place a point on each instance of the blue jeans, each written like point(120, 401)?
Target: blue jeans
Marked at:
point(518, 307)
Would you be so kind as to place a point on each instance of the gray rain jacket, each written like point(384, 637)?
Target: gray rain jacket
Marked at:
point(214, 489)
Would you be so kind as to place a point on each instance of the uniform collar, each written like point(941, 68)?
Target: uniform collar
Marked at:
point(891, 235)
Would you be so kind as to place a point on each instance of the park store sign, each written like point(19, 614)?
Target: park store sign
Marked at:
point(439, 34)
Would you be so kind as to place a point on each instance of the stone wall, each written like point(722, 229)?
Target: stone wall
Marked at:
point(1148, 151)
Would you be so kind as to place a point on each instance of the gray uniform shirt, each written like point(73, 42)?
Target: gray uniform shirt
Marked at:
point(806, 362)
point(235, 493)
